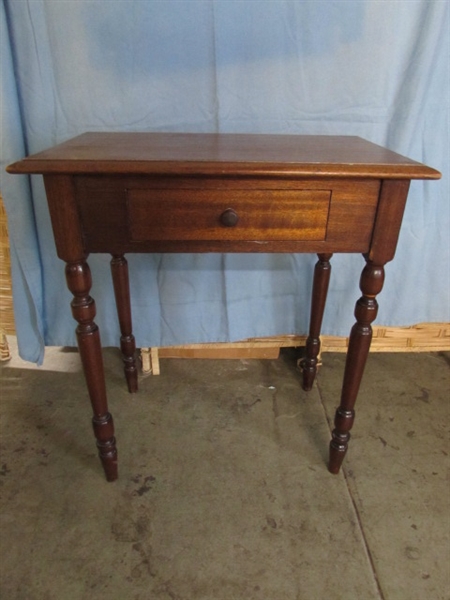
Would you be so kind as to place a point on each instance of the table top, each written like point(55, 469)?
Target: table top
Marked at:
point(222, 155)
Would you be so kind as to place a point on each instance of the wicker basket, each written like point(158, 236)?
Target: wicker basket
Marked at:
point(6, 302)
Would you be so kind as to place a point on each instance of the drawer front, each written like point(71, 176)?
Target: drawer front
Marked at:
point(229, 215)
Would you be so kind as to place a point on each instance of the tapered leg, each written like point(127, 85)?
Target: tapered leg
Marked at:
point(119, 270)
point(322, 273)
point(79, 282)
point(371, 284)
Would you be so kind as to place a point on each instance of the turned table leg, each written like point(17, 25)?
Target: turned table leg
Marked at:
point(79, 282)
point(322, 273)
point(366, 309)
point(119, 271)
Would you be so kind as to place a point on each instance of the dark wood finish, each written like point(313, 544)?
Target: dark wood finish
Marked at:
point(67, 229)
point(79, 282)
point(388, 220)
point(366, 309)
point(157, 192)
point(62, 201)
point(119, 271)
point(227, 155)
point(322, 272)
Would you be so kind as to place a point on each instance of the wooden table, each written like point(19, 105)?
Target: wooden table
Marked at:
point(158, 192)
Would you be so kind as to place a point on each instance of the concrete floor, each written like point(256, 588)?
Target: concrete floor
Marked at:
point(223, 489)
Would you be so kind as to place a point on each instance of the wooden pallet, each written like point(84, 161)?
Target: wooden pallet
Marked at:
point(425, 337)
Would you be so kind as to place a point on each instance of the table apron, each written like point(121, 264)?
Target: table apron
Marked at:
point(142, 214)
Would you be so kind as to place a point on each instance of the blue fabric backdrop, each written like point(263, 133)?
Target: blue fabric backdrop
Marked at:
point(374, 69)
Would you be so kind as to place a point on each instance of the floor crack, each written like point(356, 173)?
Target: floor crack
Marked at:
point(354, 504)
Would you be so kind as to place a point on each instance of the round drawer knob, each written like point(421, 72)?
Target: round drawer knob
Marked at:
point(229, 218)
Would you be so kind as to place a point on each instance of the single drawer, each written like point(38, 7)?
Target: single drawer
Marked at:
point(228, 214)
